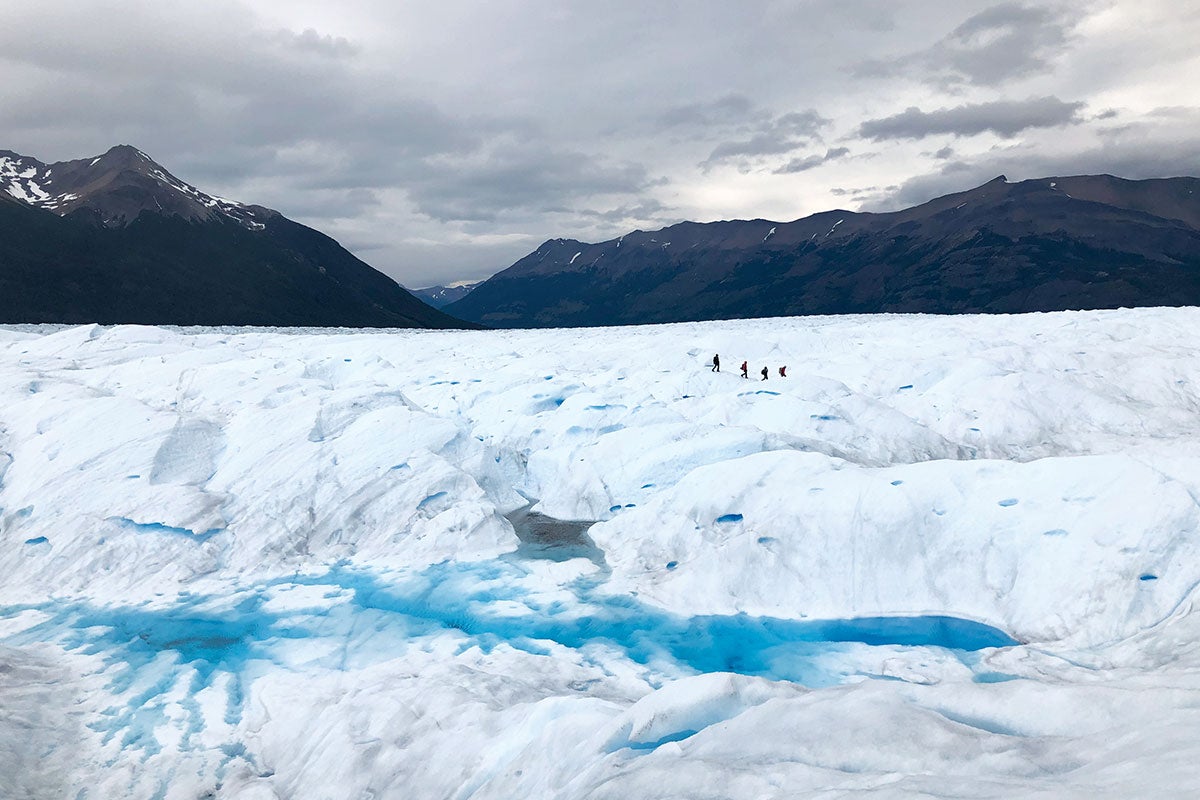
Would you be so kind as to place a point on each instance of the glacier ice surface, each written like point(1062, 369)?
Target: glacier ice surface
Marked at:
point(946, 556)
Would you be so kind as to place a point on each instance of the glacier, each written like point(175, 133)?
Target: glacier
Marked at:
point(947, 556)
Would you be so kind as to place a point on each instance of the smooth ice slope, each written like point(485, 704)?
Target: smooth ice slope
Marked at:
point(946, 556)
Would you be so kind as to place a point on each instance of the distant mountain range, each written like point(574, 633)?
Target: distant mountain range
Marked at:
point(118, 239)
point(1092, 241)
point(442, 296)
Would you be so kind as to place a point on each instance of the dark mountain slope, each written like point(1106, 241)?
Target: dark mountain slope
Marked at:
point(1040, 245)
point(117, 239)
point(167, 270)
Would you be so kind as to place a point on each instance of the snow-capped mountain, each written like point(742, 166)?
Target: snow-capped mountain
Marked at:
point(442, 296)
point(1091, 241)
point(117, 238)
point(116, 187)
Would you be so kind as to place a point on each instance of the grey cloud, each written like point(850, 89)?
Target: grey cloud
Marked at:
point(1006, 118)
point(157, 42)
point(1006, 41)
point(800, 165)
point(285, 119)
point(862, 191)
point(843, 192)
point(327, 204)
point(801, 123)
point(644, 211)
point(312, 41)
point(260, 101)
point(524, 176)
point(761, 144)
point(1170, 117)
point(811, 162)
point(771, 136)
point(1139, 152)
point(944, 153)
point(731, 108)
point(1000, 43)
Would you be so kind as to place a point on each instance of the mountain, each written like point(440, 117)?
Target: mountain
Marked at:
point(118, 239)
point(1091, 241)
point(442, 296)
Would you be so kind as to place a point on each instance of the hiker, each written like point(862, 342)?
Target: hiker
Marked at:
point(745, 370)
point(716, 363)
point(783, 371)
point(764, 373)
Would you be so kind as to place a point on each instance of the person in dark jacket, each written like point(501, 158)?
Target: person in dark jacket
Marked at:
point(783, 372)
point(745, 369)
point(716, 363)
point(765, 371)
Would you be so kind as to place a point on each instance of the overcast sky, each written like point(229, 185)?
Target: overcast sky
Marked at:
point(442, 141)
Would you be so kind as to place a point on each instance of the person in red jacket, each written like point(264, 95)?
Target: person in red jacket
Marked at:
point(783, 372)
point(745, 370)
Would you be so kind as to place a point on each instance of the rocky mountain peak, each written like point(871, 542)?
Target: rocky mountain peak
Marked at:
point(125, 156)
point(115, 188)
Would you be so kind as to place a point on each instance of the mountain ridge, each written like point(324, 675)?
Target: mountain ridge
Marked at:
point(442, 296)
point(998, 247)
